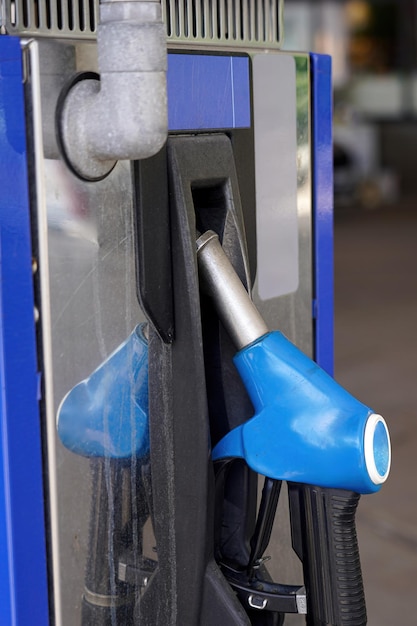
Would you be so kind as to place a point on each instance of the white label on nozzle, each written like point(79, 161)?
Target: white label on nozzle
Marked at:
point(377, 449)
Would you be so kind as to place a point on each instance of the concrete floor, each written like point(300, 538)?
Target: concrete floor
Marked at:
point(376, 359)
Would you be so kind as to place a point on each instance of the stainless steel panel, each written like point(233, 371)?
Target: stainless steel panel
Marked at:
point(276, 174)
point(292, 313)
point(89, 307)
point(93, 309)
point(89, 303)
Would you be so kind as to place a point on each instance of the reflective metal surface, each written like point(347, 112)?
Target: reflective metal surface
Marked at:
point(93, 309)
point(89, 307)
point(292, 313)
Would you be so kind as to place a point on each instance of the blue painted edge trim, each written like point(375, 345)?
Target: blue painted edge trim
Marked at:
point(207, 92)
point(23, 574)
point(322, 153)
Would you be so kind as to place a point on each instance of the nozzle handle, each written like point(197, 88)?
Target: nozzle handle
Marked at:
point(322, 518)
point(324, 537)
point(239, 315)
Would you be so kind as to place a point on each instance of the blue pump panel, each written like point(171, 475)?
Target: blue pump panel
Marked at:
point(23, 575)
point(208, 92)
point(322, 188)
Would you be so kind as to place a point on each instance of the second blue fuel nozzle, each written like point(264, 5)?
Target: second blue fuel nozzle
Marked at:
point(306, 427)
point(106, 415)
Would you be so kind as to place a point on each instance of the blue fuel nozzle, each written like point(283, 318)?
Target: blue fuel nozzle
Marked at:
point(107, 413)
point(306, 427)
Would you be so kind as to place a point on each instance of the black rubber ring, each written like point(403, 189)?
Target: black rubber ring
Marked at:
point(58, 125)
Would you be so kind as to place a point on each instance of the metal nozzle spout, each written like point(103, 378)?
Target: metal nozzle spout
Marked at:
point(236, 310)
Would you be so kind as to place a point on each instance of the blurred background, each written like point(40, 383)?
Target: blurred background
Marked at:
point(374, 49)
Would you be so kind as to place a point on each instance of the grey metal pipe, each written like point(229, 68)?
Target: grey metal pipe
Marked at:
point(236, 310)
point(124, 115)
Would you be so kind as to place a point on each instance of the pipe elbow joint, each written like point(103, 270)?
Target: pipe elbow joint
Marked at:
point(132, 109)
point(122, 115)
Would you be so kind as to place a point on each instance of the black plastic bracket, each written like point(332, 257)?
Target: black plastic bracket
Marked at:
point(189, 184)
point(153, 243)
point(196, 395)
point(263, 595)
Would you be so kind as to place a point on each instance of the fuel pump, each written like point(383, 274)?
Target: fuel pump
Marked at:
point(161, 421)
